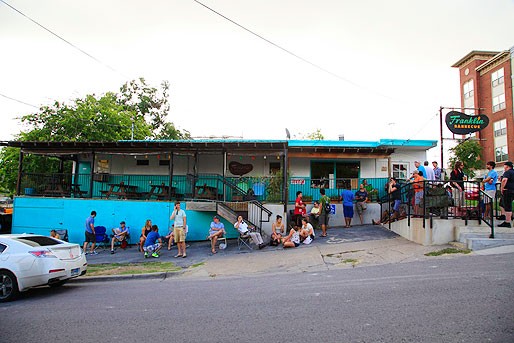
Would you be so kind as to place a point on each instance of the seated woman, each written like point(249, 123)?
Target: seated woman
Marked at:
point(144, 233)
point(217, 230)
point(292, 240)
point(314, 214)
point(306, 231)
point(277, 229)
point(54, 234)
point(244, 229)
point(169, 238)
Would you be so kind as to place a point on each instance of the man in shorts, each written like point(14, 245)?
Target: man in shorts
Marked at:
point(90, 234)
point(119, 235)
point(323, 216)
point(179, 229)
point(507, 189)
point(153, 242)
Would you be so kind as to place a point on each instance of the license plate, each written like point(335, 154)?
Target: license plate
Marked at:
point(75, 272)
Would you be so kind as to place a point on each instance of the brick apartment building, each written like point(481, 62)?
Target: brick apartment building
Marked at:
point(486, 84)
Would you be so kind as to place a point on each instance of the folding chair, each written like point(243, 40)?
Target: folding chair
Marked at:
point(63, 234)
point(244, 240)
point(102, 240)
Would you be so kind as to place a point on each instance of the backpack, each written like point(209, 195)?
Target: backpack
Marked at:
point(328, 208)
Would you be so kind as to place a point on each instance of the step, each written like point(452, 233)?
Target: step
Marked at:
point(464, 236)
point(485, 243)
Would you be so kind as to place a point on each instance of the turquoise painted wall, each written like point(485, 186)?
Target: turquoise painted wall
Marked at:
point(40, 215)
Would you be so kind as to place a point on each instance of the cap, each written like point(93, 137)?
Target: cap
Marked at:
point(215, 217)
point(122, 222)
point(509, 163)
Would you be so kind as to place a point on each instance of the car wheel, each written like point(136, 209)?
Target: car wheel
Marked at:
point(8, 286)
point(57, 284)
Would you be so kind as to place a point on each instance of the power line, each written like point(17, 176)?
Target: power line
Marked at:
point(294, 54)
point(64, 40)
point(21, 102)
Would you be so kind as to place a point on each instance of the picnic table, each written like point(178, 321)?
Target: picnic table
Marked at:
point(163, 192)
point(122, 191)
point(206, 192)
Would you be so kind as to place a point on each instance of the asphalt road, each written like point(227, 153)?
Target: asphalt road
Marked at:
point(454, 299)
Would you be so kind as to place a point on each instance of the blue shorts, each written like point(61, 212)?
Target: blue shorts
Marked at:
point(348, 211)
point(151, 248)
point(396, 206)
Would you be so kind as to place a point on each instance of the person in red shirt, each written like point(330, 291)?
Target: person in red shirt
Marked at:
point(299, 209)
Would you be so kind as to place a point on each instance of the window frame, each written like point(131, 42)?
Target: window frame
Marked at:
point(497, 77)
point(468, 89)
point(498, 102)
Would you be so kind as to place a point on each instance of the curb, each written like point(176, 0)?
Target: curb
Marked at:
point(148, 276)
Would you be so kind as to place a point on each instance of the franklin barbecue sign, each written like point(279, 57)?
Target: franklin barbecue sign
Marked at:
point(462, 124)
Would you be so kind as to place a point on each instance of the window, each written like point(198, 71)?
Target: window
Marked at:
point(274, 167)
point(142, 162)
point(501, 154)
point(468, 89)
point(164, 162)
point(497, 77)
point(321, 173)
point(400, 170)
point(500, 128)
point(498, 102)
point(2, 248)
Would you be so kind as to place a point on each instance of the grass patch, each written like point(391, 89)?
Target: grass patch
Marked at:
point(448, 251)
point(130, 268)
point(350, 260)
point(197, 265)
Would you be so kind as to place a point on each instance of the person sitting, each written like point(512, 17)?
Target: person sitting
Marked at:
point(292, 240)
point(217, 230)
point(144, 232)
point(277, 230)
point(245, 229)
point(54, 234)
point(153, 242)
point(306, 232)
point(119, 235)
point(169, 238)
point(314, 215)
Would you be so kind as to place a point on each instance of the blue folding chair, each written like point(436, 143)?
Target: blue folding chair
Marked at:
point(102, 239)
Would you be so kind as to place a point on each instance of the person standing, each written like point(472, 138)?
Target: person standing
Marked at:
point(90, 234)
point(179, 229)
point(361, 196)
point(507, 189)
point(395, 194)
point(299, 209)
point(457, 182)
point(417, 185)
point(429, 172)
point(323, 217)
point(420, 168)
point(489, 183)
point(347, 197)
point(437, 171)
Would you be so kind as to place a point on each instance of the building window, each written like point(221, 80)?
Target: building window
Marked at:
point(497, 77)
point(499, 103)
point(142, 162)
point(400, 170)
point(501, 154)
point(468, 89)
point(164, 162)
point(274, 167)
point(500, 128)
point(324, 173)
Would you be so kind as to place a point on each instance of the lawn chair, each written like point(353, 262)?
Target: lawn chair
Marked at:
point(63, 234)
point(244, 240)
point(102, 239)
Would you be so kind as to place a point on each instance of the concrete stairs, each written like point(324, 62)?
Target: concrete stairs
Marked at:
point(476, 237)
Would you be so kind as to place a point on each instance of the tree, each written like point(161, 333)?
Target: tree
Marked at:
point(313, 136)
point(469, 152)
point(138, 112)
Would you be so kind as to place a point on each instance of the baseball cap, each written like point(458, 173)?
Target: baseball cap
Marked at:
point(215, 217)
point(122, 222)
point(509, 163)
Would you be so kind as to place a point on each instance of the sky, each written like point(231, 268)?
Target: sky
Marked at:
point(365, 70)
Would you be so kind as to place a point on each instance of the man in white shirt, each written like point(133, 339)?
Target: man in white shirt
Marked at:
point(430, 172)
point(243, 229)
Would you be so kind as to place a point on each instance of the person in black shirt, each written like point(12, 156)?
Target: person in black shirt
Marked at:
point(507, 190)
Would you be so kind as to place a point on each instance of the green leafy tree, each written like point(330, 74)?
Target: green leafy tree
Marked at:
point(137, 112)
point(469, 152)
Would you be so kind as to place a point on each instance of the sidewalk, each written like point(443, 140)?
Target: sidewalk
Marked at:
point(342, 248)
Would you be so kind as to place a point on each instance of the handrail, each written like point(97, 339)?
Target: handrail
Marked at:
point(489, 220)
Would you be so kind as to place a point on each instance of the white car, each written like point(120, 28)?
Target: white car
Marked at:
point(29, 260)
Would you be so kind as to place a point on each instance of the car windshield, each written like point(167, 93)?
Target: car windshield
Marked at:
point(37, 241)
